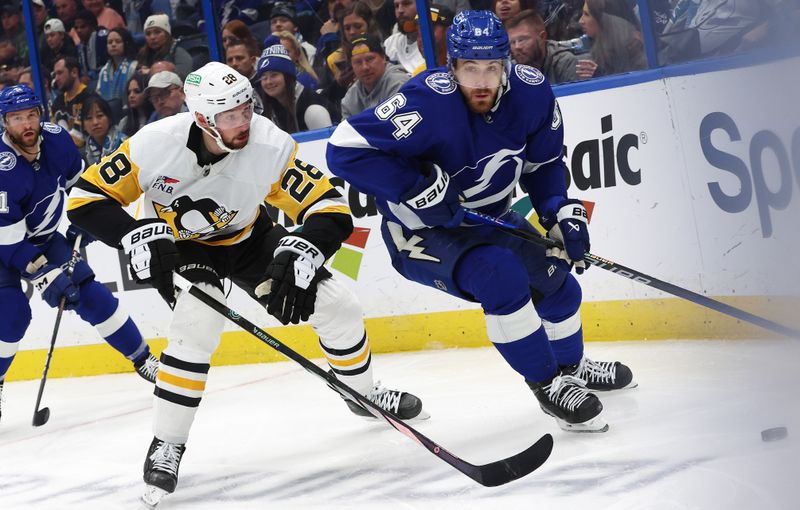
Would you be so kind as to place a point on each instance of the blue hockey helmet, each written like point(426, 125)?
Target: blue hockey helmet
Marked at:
point(477, 35)
point(16, 98)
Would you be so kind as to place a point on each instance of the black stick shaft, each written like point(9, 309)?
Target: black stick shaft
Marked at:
point(638, 276)
point(492, 474)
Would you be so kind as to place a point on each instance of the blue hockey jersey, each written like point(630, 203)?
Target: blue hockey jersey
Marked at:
point(32, 195)
point(383, 151)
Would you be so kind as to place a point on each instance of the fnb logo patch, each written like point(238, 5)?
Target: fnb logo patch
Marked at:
point(165, 184)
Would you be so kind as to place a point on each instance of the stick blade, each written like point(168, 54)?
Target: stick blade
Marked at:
point(41, 416)
point(516, 466)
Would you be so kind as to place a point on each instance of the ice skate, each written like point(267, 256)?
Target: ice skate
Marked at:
point(405, 405)
point(161, 470)
point(567, 400)
point(602, 375)
point(147, 368)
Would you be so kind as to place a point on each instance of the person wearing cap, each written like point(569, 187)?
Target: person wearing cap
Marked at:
point(105, 16)
point(72, 92)
point(441, 19)
point(165, 92)
point(56, 44)
point(401, 46)
point(287, 103)
point(284, 19)
point(159, 45)
point(376, 79)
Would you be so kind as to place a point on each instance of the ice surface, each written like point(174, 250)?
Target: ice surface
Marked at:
point(273, 436)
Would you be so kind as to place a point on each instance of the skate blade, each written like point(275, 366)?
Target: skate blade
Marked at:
point(422, 416)
point(152, 496)
point(596, 425)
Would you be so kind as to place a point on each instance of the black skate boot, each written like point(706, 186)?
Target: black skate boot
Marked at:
point(565, 399)
point(161, 470)
point(147, 367)
point(602, 375)
point(1, 398)
point(405, 405)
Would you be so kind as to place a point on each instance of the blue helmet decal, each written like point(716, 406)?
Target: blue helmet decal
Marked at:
point(16, 98)
point(477, 35)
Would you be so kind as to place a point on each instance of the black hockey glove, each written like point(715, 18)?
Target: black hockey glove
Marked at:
point(568, 225)
point(289, 286)
point(435, 200)
point(150, 246)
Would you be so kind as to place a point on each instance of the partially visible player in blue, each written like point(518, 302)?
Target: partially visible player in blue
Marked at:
point(38, 163)
point(464, 136)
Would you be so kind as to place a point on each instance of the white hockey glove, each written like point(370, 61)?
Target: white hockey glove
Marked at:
point(150, 246)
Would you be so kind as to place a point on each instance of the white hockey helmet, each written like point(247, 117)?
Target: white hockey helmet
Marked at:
point(213, 89)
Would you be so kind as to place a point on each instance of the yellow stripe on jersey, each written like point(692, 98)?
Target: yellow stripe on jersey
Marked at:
point(116, 175)
point(299, 187)
point(74, 203)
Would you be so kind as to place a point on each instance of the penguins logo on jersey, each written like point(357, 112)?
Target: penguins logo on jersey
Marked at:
point(7, 161)
point(441, 83)
point(529, 75)
point(194, 218)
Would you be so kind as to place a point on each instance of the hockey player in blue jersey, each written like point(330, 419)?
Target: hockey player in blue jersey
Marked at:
point(463, 137)
point(38, 162)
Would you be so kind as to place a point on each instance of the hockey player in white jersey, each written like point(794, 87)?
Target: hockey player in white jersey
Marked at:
point(205, 176)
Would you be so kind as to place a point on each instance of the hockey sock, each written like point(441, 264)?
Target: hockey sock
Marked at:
point(101, 309)
point(499, 281)
point(561, 317)
point(179, 389)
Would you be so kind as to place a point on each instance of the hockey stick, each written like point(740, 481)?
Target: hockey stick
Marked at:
point(490, 475)
point(40, 416)
point(637, 276)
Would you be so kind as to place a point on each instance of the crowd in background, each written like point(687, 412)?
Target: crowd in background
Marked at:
point(112, 67)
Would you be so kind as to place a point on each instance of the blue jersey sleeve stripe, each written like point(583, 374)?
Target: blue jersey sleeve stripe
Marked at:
point(346, 136)
point(13, 234)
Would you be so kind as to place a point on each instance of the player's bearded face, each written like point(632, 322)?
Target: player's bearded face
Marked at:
point(479, 81)
point(234, 125)
point(24, 127)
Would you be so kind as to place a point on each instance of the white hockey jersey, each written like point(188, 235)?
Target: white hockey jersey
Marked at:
point(215, 204)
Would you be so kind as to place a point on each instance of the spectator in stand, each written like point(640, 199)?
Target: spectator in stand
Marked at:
point(401, 47)
point(329, 34)
point(119, 67)
point(561, 17)
point(92, 46)
point(159, 45)
point(13, 29)
point(235, 32)
point(25, 77)
point(290, 105)
point(163, 65)
point(617, 45)
point(305, 73)
point(66, 11)
point(57, 44)
point(102, 137)
point(283, 19)
point(9, 60)
point(356, 19)
point(246, 11)
point(529, 45)
point(165, 92)
point(139, 108)
point(106, 16)
point(376, 79)
point(506, 9)
point(242, 58)
point(441, 19)
point(72, 92)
